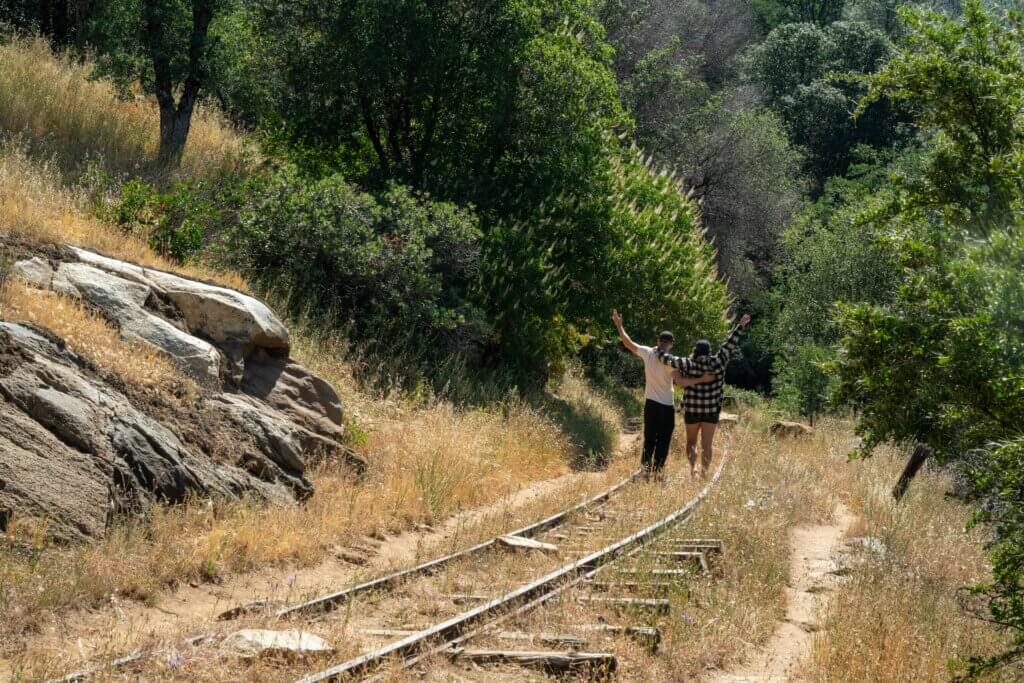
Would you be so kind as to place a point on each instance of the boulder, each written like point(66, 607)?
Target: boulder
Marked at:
point(122, 301)
point(728, 419)
point(260, 642)
point(793, 430)
point(257, 423)
point(76, 449)
point(222, 315)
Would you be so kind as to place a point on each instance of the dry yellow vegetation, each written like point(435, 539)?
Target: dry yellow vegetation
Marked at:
point(92, 337)
point(52, 101)
point(427, 459)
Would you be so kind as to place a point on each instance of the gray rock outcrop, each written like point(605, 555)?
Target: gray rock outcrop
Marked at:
point(83, 446)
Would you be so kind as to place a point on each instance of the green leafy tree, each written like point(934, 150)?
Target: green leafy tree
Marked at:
point(810, 76)
point(163, 45)
point(943, 362)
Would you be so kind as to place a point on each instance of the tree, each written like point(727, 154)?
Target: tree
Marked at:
point(811, 78)
point(736, 160)
point(163, 45)
point(943, 363)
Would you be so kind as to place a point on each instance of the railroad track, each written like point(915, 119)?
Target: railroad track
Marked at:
point(471, 593)
point(332, 600)
point(450, 636)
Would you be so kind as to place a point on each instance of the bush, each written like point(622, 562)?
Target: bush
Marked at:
point(394, 271)
point(803, 384)
point(177, 223)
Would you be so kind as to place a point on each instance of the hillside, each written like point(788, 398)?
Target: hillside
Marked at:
point(324, 327)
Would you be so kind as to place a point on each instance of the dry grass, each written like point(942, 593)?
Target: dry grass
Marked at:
point(36, 205)
point(928, 557)
point(431, 464)
point(53, 101)
point(91, 337)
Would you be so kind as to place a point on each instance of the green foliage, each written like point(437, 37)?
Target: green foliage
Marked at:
point(943, 362)
point(176, 223)
point(810, 75)
point(964, 80)
point(739, 164)
point(803, 383)
point(395, 270)
point(835, 250)
point(772, 13)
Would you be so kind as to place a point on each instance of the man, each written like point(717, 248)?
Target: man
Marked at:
point(702, 401)
point(659, 410)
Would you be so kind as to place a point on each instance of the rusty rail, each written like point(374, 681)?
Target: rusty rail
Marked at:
point(331, 600)
point(456, 630)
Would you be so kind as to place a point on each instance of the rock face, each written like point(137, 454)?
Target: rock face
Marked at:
point(793, 430)
point(78, 446)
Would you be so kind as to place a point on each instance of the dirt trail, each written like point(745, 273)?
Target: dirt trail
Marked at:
point(813, 554)
point(126, 624)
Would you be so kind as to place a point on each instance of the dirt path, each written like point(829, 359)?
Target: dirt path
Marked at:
point(813, 554)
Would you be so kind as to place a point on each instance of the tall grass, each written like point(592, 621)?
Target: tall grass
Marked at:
point(36, 205)
point(92, 337)
point(427, 458)
point(76, 120)
point(928, 556)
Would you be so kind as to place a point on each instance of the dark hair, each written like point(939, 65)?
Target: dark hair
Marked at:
point(666, 336)
point(702, 348)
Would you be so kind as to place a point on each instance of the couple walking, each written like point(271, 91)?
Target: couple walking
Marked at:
point(702, 374)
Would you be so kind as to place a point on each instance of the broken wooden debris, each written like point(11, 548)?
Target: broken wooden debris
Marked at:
point(549, 660)
point(518, 542)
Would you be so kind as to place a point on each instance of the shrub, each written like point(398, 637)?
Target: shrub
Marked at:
point(802, 383)
point(394, 271)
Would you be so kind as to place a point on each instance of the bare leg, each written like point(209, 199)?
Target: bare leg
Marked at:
point(707, 438)
point(692, 435)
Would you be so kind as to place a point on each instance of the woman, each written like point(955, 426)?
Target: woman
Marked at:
point(702, 403)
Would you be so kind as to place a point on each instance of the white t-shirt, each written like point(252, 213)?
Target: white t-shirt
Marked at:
point(658, 386)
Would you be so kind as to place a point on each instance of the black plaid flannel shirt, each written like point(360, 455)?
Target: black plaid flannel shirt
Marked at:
point(704, 399)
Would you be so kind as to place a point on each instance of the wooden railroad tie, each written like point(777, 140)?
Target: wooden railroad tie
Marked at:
point(711, 546)
point(551, 661)
point(697, 557)
point(656, 605)
point(658, 586)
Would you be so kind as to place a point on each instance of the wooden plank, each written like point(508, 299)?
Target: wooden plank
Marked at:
point(465, 598)
point(707, 545)
point(551, 661)
point(654, 572)
point(700, 558)
point(569, 640)
point(656, 605)
point(649, 636)
point(631, 585)
point(520, 543)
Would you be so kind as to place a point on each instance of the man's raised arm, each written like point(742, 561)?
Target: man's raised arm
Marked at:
point(626, 341)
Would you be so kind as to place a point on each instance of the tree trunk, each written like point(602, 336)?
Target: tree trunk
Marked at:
point(175, 123)
point(917, 458)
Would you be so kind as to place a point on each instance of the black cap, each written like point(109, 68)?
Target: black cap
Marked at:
point(666, 336)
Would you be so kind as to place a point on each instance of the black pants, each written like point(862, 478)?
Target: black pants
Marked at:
point(659, 422)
